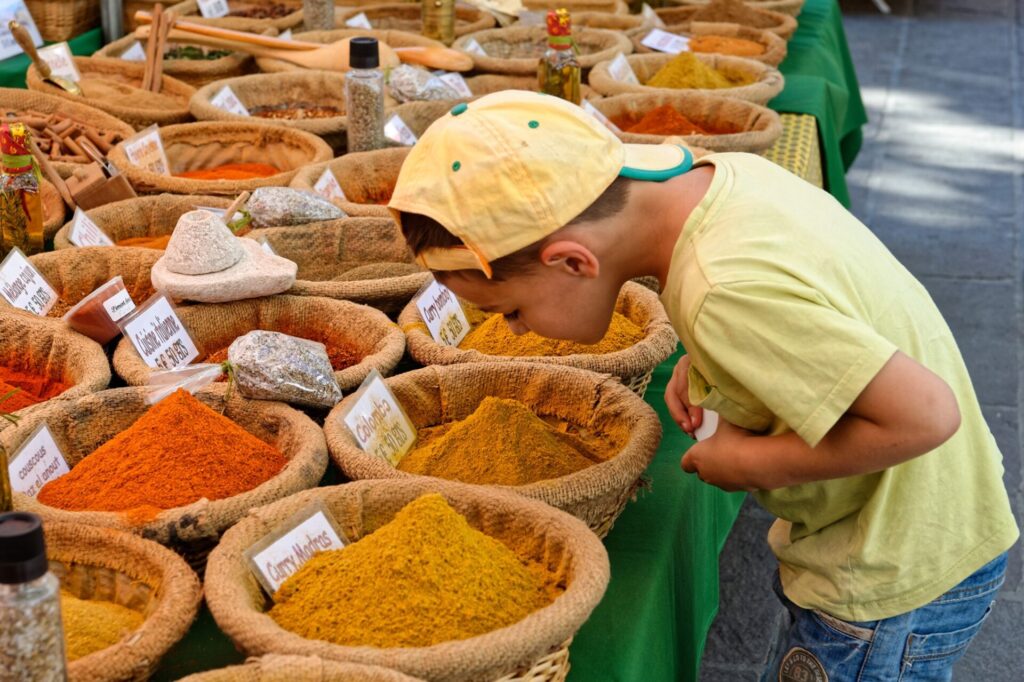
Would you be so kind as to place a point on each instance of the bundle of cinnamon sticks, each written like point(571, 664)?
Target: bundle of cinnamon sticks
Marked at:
point(62, 137)
point(156, 46)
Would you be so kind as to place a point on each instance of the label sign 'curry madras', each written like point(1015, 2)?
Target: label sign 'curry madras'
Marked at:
point(283, 551)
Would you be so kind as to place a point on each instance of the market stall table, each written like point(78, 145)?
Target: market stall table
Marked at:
point(12, 69)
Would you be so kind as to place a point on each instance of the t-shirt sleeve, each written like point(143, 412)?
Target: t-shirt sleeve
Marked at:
point(791, 349)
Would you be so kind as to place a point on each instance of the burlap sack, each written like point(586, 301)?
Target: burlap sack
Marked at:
point(755, 128)
point(767, 84)
point(108, 565)
point(607, 20)
point(213, 326)
point(790, 7)
point(574, 6)
point(197, 146)
point(515, 50)
point(44, 346)
point(82, 425)
point(281, 668)
point(391, 38)
point(593, 404)
point(487, 83)
point(783, 25)
point(533, 649)
point(150, 216)
point(404, 16)
point(138, 110)
point(366, 178)
point(17, 100)
point(318, 87)
point(76, 273)
point(632, 365)
point(364, 260)
point(189, 10)
point(774, 47)
point(54, 210)
point(195, 72)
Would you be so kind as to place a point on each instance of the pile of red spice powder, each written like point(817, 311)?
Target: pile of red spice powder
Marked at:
point(178, 452)
point(663, 120)
point(32, 389)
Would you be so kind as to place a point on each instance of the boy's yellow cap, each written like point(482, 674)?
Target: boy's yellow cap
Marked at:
point(509, 169)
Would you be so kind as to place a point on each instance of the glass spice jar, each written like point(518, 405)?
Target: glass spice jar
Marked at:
point(21, 203)
point(438, 18)
point(559, 70)
point(364, 96)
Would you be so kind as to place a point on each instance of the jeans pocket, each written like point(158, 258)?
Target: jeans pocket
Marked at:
point(931, 656)
point(863, 632)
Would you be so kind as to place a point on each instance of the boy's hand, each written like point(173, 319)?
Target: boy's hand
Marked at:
point(677, 398)
point(721, 459)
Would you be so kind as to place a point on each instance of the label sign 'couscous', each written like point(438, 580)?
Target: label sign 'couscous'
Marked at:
point(38, 461)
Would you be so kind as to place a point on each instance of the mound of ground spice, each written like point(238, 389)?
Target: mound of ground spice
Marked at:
point(493, 337)
point(341, 357)
point(737, 47)
point(31, 389)
point(159, 243)
point(231, 171)
point(178, 452)
point(91, 625)
point(663, 120)
point(522, 448)
point(424, 578)
point(686, 71)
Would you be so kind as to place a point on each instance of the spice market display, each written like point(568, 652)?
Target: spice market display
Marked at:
point(220, 371)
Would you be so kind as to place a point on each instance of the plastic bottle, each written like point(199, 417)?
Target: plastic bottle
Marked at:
point(21, 204)
point(559, 70)
point(31, 636)
point(364, 96)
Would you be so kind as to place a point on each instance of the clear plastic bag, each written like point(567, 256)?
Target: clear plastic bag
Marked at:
point(275, 366)
point(283, 206)
point(192, 378)
point(413, 84)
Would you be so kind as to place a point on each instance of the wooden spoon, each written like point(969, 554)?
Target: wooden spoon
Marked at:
point(25, 41)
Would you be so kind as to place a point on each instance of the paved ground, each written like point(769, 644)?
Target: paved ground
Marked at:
point(940, 181)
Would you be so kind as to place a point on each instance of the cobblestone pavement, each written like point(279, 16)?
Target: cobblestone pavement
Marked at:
point(939, 180)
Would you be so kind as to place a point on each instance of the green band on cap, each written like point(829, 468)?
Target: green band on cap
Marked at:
point(660, 175)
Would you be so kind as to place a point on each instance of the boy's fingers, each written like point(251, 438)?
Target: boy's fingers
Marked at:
point(696, 415)
point(689, 464)
point(677, 410)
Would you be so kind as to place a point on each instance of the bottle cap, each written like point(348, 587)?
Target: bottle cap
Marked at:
point(363, 53)
point(22, 548)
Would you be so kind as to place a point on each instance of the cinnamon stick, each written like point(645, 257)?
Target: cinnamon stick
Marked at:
point(151, 49)
point(165, 25)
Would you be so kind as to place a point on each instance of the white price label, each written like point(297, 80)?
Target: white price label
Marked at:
point(397, 131)
point(443, 314)
point(328, 187)
point(473, 47)
point(621, 71)
point(456, 82)
point(596, 113)
point(282, 552)
point(287, 35)
point(663, 41)
point(135, 53)
point(119, 305)
point(15, 10)
point(651, 17)
point(158, 334)
point(146, 150)
point(37, 462)
point(227, 100)
point(359, 21)
point(378, 423)
point(267, 248)
point(61, 62)
point(84, 232)
point(23, 286)
point(708, 425)
point(211, 9)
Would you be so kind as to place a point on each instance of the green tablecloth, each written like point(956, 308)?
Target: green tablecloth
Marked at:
point(821, 80)
point(12, 71)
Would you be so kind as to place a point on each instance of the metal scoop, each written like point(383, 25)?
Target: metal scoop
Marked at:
point(25, 41)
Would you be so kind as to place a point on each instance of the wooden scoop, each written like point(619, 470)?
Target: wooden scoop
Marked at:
point(25, 41)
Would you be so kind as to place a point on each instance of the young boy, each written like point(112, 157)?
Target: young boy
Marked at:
point(845, 405)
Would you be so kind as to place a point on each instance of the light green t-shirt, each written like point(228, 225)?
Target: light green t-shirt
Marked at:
point(789, 306)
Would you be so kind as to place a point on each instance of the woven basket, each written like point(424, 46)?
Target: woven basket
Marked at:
point(193, 146)
point(44, 346)
point(574, 6)
point(487, 83)
point(281, 668)
point(150, 216)
point(195, 72)
point(378, 341)
point(783, 25)
point(534, 649)
point(331, 254)
point(108, 565)
point(775, 48)
point(633, 365)
point(82, 425)
point(318, 87)
point(17, 100)
point(76, 273)
point(515, 50)
point(790, 7)
point(366, 178)
point(607, 20)
point(755, 128)
point(768, 83)
point(408, 17)
point(391, 38)
point(593, 404)
point(190, 11)
point(59, 20)
point(124, 74)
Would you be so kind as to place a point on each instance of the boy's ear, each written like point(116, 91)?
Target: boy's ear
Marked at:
point(572, 258)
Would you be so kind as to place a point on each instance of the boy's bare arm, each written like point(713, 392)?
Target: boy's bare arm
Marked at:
point(905, 411)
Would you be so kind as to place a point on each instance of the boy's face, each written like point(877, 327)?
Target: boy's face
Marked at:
point(547, 299)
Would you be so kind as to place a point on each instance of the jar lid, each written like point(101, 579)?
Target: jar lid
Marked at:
point(22, 548)
point(363, 53)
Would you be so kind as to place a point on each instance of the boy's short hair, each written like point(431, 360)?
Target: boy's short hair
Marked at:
point(422, 232)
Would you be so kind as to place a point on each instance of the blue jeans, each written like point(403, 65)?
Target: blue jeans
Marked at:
point(912, 647)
